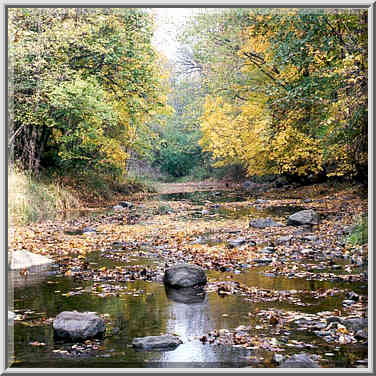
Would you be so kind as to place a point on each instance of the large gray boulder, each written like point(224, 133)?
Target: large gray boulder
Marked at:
point(264, 222)
point(184, 275)
point(299, 361)
point(303, 217)
point(161, 343)
point(25, 259)
point(73, 325)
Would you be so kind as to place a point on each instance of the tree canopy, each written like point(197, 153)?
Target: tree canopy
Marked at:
point(286, 89)
point(84, 83)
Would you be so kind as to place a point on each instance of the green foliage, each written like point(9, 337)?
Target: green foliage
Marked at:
point(359, 235)
point(176, 151)
point(85, 82)
point(81, 121)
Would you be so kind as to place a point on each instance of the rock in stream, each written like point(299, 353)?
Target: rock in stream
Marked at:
point(73, 325)
point(303, 217)
point(161, 343)
point(184, 275)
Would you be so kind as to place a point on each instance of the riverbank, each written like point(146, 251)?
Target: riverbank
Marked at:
point(39, 198)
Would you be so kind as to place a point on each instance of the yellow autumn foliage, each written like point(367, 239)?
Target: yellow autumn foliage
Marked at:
point(235, 134)
point(242, 134)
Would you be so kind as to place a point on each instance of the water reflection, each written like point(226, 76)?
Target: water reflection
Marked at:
point(34, 276)
point(187, 295)
point(190, 317)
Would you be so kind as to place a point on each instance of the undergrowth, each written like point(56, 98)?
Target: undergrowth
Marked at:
point(32, 199)
point(359, 234)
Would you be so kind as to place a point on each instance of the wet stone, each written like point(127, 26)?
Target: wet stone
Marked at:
point(336, 267)
point(321, 333)
point(159, 343)
point(184, 275)
point(269, 274)
point(331, 319)
point(348, 302)
point(310, 238)
point(263, 260)
point(88, 229)
point(356, 323)
point(268, 250)
point(284, 239)
point(24, 259)
point(361, 334)
point(299, 361)
point(237, 242)
point(319, 325)
point(73, 325)
point(303, 217)
point(352, 296)
point(126, 204)
point(264, 222)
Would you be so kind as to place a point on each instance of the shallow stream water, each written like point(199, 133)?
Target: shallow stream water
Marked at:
point(145, 308)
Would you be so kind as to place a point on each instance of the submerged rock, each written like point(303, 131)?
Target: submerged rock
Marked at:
point(264, 222)
point(299, 361)
point(240, 241)
point(73, 325)
point(184, 275)
point(161, 343)
point(303, 217)
point(25, 259)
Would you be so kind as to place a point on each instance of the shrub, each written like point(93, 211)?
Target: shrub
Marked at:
point(359, 235)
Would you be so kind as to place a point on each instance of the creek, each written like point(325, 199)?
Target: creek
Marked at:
point(143, 308)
